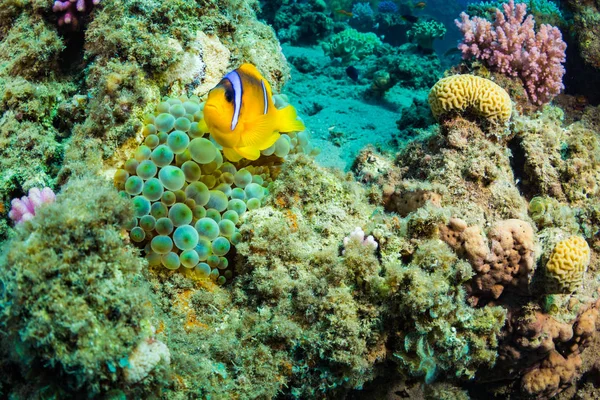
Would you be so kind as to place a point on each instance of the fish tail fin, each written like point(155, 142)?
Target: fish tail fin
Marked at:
point(287, 120)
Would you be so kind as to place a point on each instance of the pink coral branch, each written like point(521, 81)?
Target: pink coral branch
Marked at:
point(24, 209)
point(511, 46)
point(70, 12)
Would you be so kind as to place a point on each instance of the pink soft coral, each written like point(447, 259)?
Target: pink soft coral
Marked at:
point(511, 46)
point(23, 209)
point(71, 12)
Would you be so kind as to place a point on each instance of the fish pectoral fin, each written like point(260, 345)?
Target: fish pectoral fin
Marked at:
point(287, 120)
point(231, 154)
point(250, 152)
point(270, 141)
point(258, 132)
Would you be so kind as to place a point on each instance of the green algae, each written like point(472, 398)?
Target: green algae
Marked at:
point(446, 335)
point(74, 301)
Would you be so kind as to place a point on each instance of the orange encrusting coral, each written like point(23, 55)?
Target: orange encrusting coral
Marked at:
point(182, 302)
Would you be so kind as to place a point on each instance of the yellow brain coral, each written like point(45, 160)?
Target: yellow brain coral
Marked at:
point(460, 93)
point(568, 262)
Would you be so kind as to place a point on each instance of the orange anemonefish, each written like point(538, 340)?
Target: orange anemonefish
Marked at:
point(241, 116)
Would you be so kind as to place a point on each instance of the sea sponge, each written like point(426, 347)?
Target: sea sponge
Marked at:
point(458, 94)
point(567, 264)
point(406, 201)
point(554, 373)
point(508, 262)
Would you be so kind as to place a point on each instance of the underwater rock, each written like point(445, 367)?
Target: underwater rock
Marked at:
point(74, 302)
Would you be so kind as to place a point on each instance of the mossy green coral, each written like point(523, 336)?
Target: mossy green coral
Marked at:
point(351, 45)
point(73, 302)
point(438, 333)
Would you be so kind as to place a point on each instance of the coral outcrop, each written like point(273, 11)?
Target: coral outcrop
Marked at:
point(586, 23)
point(506, 238)
point(424, 33)
point(74, 304)
point(351, 45)
point(463, 94)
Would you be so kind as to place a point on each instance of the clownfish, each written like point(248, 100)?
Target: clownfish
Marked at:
point(241, 117)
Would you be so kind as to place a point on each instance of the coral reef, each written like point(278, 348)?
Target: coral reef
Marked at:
point(417, 116)
point(586, 20)
point(468, 256)
point(363, 17)
point(461, 185)
point(510, 45)
point(561, 162)
point(299, 22)
point(457, 339)
point(404, 65)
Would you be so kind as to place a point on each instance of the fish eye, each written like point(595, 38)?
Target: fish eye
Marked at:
point(228, 96)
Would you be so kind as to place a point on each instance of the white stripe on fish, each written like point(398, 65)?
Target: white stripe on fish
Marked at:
point(265, 100)
point(236, 84)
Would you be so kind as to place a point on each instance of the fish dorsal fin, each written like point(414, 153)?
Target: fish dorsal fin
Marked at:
point(252, 71)
point(258, 90)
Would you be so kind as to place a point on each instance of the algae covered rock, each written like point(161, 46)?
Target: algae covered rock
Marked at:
point(73, 305)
